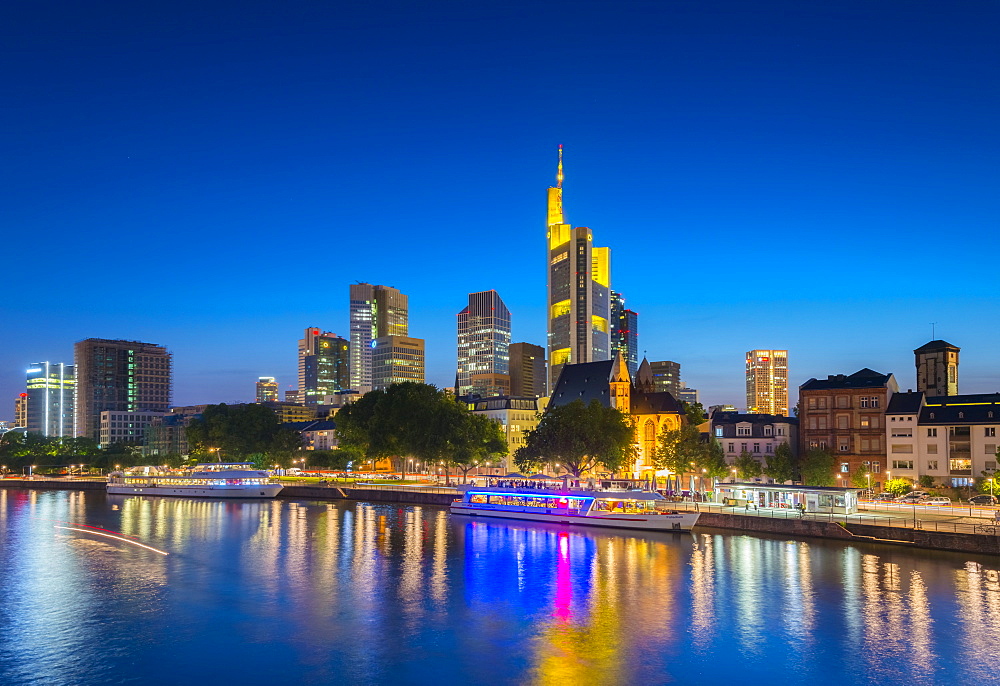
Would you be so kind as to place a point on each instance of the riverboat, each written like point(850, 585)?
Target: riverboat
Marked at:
point(617, 509)
point(214, 480)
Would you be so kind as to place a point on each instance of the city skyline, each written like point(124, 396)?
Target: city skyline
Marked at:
point(812, 150)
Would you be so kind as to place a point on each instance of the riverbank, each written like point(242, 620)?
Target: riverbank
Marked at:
point(984, 541)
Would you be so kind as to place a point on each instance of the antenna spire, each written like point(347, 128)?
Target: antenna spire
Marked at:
point(559, 172)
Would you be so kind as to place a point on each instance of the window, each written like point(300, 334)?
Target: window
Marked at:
point(822, 403)
point(845, 467)
point(864, 402)
point(932, 465)
point(843, 421)
point(844, 443)
point(902, 433)
point(767, 431)
point(932, 449)
point(901, 448)
point(822, 422)
point(876, 467)
point(865, 422)
point(756, 447)
point(812, 422)
point(991, 465)
point(902, 464)
point(842, 401)
point(769, 448)
point(811, 404)
point(732, 447)
point(718, 431)
point(990, 431)
point(743, 447)
point(742, 430)
point(991, 448)
point(932, 433)
point(865, 445)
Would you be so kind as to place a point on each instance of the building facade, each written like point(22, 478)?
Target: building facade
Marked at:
point(579, 281)
point(375, 311)
point(950, 438)
point(757, 434)
point(667, 376)
point(845, 415)
point(484, 346)
point(767, 382)
point(51, 389)
point(527, 371)
point(292, 411)
point(118, 376)
point(625, 332)
point(267, 389)
point(21, 411)
point(688, 395)
point(937, 368)
point(323, 365)
point(396, 359)
point(515, 415)
point(125, 427)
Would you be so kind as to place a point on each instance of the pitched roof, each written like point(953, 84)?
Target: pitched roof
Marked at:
point(660, 402)
point(585, 381)
point(936, 345)
point(905, 403)
point(863, 378)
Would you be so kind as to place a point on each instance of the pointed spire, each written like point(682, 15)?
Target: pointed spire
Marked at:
point(559, 172)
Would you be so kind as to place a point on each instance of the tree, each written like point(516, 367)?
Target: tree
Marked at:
point(238, 431)
point(926, 481)
point(579, 437)
point(817, 468)
point(747, 467)
point(679, 451)
point(898, 487)
point(780, 465)
point(860, 477)
point(477, 439)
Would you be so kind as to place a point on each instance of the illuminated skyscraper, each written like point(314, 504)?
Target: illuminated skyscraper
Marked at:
point(323, 365)
point(396, 359)
point(625, 332)
point(667, 376)
point(484, 346)
point(118, 376)
point(579, 278)
point(267, 389)
point(767, 382)
point(51, 387)
point(376, 311)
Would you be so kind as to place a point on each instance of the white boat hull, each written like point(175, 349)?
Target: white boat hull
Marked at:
point(682, 521)
point(221, 491)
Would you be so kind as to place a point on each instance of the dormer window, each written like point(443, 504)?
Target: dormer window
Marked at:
point(768, 430)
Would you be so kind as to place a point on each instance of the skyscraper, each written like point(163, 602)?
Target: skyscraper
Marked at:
point(579, 278)
point(396, 359)
point(267, 389)
point(119, 376)
point(484, 346)
point(625, 332)
point(323, 365)
point(21, 411)
point(51, 386)
point(527, 370)
point(376, 311)
point(767, 382)
point(667, 376)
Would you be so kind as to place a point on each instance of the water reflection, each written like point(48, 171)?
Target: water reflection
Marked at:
point(278, 591)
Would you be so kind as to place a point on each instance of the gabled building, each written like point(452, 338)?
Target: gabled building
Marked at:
point(845, 415)
point(610, 383)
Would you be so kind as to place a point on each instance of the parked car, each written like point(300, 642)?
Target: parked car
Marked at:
point(983, 499)
point(912, 497)
point(936, 500)
point(882, 497)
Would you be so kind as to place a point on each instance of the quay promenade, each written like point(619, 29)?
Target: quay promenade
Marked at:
point(962, 529)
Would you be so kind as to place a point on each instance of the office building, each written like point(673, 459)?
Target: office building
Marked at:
point(21, 411)
point(267, 389)
point(51, 387)
point(625, 332)
point(118, 376)
point(845, 415)
point(579, 280)
point(125, 427)
point(767, 382)
point(937, 368)
point(527, 370)
point(396, 359)
point(375, 311)
point(484, 346)
point(323, 365)
point(292, 411)
point(688, 395)
point(667, 376)
point(292, 395)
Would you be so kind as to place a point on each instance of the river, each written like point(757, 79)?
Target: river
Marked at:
point(274, 592)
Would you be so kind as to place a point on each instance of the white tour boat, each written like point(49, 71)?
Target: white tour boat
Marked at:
point(213, 480)
point(618, 509)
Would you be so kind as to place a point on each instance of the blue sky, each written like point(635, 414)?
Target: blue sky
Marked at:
point(212, 176)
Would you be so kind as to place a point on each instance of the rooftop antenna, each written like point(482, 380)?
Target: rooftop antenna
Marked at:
point(932, 331)
point(559, 172)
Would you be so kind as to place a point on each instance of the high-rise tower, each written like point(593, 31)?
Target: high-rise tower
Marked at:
point(625, 332)
point(484, 346)
point(767, 382)
point(323, 365)
point(118, 376)
point(376, 311)
point(51, 388)
point(267, 389)
point(579, 278)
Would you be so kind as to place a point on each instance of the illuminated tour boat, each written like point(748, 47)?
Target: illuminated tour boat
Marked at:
point(214, 480)
point(617, 509)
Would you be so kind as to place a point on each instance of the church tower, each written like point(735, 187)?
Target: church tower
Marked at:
point(937, 368)
point(579, 283)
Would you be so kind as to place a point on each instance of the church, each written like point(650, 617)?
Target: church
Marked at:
point(610, 383)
